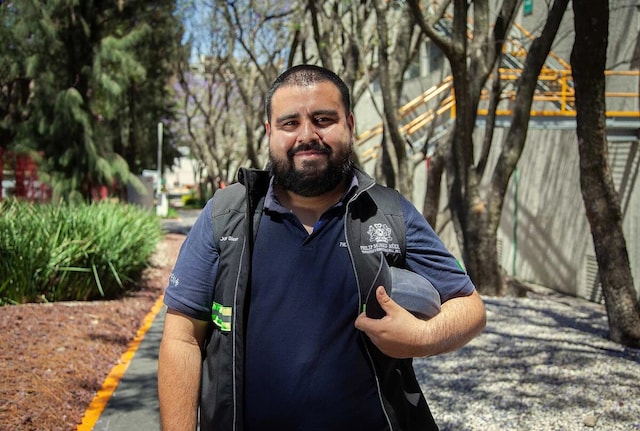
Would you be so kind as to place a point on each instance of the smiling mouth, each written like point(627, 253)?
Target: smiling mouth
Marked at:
point(309, 150)
point(311, 154)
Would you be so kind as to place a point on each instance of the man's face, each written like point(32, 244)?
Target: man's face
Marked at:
point(310, 138)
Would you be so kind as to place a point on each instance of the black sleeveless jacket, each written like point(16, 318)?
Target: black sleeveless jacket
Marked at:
point(373, 224)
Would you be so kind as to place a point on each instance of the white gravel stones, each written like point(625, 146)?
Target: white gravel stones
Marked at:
point(543, 363)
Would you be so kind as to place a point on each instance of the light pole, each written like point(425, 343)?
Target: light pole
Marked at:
point(163, 206)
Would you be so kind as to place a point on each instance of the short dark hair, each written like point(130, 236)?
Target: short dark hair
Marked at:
point(307, 74)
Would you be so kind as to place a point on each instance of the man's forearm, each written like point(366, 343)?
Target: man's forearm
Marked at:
point(179, 371)
point(459, 320)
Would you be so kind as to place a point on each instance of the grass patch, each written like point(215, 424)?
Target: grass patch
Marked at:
point(73, 252)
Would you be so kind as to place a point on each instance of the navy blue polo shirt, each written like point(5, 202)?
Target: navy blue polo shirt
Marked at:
point(306, 367)
point(305, 364)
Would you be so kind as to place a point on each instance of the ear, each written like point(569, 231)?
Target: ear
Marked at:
point(351, 121)
point(267, 128)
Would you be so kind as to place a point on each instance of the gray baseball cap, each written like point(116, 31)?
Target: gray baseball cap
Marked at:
point(414, 293)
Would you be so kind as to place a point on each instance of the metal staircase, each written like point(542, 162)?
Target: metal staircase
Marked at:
point(429, 116)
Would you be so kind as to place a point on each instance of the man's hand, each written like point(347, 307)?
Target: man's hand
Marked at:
point(396, 334)
point(399, 334)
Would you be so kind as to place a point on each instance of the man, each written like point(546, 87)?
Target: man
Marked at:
point(290, 347)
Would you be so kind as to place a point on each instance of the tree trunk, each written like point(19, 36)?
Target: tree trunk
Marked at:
point(514, 142)
point(392, 152)
point(602, 204)
point(435, 169)
point(481, 253)
point(472, 60)
point(470, 213)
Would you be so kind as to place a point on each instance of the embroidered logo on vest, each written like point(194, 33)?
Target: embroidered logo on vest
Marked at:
point(379, 232)
point(380, 240)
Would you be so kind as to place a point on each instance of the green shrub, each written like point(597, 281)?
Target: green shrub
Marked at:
point(191, 201)
point(73, 252)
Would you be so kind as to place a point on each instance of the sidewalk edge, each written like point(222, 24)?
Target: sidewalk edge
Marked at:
point(110, 384)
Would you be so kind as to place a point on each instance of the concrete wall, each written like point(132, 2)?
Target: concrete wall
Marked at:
point(552, 242)
point(547, 240)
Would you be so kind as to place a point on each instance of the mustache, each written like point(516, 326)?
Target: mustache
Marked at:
point(311, 146)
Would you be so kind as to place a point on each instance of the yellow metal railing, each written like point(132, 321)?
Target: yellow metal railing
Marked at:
point(555, 97)
point(559, 99)
point(445, 87)
point(522, 51)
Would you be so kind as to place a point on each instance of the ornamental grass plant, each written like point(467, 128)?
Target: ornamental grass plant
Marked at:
point(63, 252)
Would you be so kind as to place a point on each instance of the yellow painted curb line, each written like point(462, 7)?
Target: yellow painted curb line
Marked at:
point(99, 402)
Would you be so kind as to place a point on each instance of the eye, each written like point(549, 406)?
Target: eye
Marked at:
point(289, 125)
point(324, 121)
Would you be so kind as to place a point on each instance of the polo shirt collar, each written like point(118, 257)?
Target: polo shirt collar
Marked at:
point(271, 201)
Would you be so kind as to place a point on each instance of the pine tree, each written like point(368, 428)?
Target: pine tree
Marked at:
point(97, 80)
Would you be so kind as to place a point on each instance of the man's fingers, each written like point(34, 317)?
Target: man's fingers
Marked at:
point(383, 299)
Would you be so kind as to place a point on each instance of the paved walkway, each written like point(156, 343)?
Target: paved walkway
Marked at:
point(134, 403)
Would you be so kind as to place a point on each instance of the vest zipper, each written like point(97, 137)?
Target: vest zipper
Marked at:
point(355, 271)
point(234, 329)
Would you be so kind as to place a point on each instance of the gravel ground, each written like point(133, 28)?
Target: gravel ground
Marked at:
point(544, 362)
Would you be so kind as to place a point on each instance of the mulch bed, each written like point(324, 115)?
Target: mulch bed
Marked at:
point(54, 357)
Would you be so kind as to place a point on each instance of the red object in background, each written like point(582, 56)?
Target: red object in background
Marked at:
point(25, 172)
point(99, 193)
point(1, 171)
point(27, 185)
point(20, 175)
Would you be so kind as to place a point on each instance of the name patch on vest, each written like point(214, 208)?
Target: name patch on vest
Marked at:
point(228, 238)
point(380, 240)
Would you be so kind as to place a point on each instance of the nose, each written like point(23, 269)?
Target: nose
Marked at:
point(308, 133)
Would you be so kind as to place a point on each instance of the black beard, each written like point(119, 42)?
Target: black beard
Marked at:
point(311, 181)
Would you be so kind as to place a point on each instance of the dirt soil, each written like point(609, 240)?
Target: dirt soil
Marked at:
point(54, 357)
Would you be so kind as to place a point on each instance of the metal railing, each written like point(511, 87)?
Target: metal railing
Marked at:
point(553, 98)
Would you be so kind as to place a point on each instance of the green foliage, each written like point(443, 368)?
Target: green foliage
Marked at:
point(84, 85)
point(72, 252)
point(191, 201)
point(194, 203)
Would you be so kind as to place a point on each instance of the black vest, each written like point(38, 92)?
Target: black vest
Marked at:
point(235, 224)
